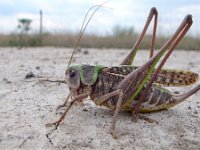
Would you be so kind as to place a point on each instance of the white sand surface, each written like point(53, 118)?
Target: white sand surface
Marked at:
point(27, 105)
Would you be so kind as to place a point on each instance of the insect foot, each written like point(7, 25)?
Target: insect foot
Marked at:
point(136, 116)
point(113, 133)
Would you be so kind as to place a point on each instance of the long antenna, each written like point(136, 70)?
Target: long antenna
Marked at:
point(83, 28)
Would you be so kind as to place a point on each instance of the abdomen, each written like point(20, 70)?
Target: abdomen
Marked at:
point(156, 99)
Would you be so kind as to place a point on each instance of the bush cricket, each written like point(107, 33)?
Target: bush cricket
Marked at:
point(125, 87)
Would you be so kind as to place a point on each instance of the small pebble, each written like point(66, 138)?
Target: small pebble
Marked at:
point(176, 92)
point(85, 109)
point(37, 67)
point(29, 75)
point(189, 107)
point(195, 112)
point(85, 52)
point(181, 136)
point(7, 81)
point(79, 50)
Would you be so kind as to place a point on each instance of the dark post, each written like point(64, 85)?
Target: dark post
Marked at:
point(40, 22)
point(41, 27)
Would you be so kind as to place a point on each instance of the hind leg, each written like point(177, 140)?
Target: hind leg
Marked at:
point(129, 59)
point(136, 80)
point(173, 42)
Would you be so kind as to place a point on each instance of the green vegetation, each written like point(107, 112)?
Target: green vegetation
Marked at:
point(120, 38)
point(24, 28)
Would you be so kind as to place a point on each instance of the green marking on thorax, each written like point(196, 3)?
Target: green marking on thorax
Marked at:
point(77, 67)
point(88, 73)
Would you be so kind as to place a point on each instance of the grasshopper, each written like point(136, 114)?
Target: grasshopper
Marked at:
point(125, 87)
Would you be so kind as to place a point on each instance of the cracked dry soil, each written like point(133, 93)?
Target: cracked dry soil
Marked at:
point(26, 105)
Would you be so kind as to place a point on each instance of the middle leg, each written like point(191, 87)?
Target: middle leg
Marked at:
point(105, 98)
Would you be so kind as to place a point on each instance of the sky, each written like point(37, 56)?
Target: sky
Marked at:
point(61, 16)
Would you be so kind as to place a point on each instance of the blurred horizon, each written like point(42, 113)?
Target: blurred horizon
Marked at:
point(63, 16)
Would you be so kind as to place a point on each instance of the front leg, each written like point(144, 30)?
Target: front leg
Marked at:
point(61, 119)
point(65, 102)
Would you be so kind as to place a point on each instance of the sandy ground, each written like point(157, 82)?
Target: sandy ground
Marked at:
point(27, 105)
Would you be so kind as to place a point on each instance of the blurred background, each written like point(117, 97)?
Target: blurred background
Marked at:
point(117, 25)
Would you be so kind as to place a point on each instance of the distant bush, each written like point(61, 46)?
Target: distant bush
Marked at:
point(121, 38)
point(119, 31)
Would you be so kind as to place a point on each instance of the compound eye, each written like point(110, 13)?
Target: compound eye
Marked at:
point(72, 73)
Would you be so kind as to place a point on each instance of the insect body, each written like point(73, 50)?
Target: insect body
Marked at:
point(129, 88)
point(101, 80)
